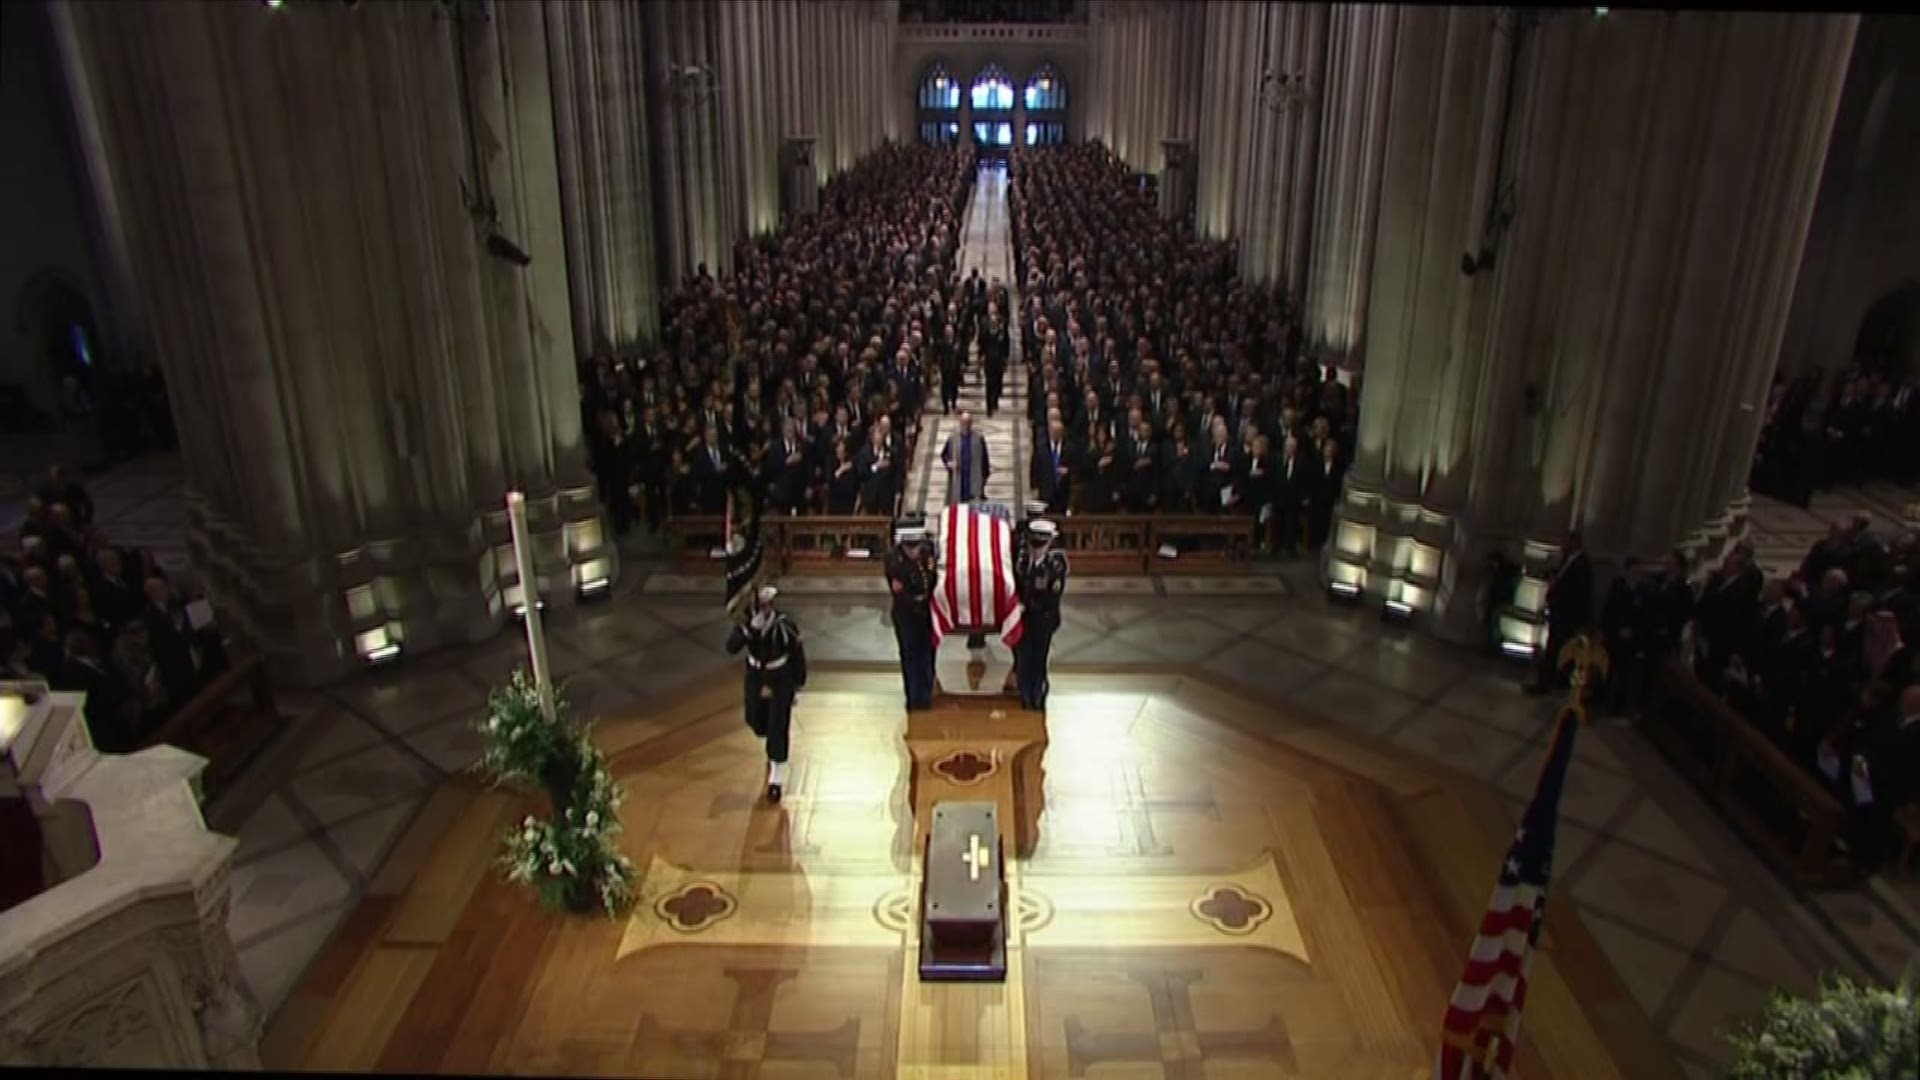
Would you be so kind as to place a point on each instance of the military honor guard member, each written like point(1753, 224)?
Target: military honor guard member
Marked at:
point(1042, 575)
point(776, 671)
point(911, 577)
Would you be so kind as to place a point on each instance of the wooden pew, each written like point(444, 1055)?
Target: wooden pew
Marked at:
point(228, 750)
point(818, 543)
point(1106, 543)
point(1733, 761)
point(693, 539)
point(1207, 543)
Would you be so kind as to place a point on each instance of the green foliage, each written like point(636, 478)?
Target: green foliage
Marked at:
point(1847, 1032)
point(572, 860)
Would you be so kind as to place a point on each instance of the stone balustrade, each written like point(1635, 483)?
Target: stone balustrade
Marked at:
point(126, 963)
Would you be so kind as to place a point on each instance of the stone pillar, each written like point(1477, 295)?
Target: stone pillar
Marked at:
point(802, 192)
point(601, 120)
point(1606, 370)
point(1353, 118)
point(356, 380)
point(1176, 179)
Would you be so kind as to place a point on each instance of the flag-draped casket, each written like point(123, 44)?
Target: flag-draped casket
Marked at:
point(976, 591)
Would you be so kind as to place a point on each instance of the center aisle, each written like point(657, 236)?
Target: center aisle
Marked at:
point(986, 243)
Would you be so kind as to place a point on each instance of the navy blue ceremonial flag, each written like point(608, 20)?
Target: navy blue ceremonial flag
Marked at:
point(1483, 1017)
point(743, 559)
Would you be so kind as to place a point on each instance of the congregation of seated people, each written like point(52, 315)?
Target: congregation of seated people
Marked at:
point(1821, 660)
point(82, 613)
point(1868, 430)
point(832, 318)
point(1158, 381)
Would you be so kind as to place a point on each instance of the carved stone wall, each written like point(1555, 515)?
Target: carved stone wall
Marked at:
point(128, 965)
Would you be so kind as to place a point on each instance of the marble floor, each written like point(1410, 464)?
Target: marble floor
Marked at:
point(987, 246)
point(1696, 926)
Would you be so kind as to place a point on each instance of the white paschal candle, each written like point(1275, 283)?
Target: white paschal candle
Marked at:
point(530, 600)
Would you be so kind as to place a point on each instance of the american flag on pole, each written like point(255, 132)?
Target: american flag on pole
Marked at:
point(1483, 1019)
point(976, 590)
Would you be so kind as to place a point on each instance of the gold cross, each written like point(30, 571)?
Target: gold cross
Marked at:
point(976, 856)
point(1589, 659)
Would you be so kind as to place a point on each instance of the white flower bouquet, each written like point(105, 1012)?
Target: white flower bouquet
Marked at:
point(572, 859)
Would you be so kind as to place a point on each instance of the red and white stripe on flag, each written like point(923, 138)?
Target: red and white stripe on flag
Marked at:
point(976, 591)
point(1483, 1017)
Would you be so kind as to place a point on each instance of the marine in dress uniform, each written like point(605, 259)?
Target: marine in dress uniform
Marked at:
point(910, 578)
point(776, 671)
point(1042, 575)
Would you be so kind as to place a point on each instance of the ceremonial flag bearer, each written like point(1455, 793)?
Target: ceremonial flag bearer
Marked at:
point(776, 671)
point(1042, 576)
point(910, 578)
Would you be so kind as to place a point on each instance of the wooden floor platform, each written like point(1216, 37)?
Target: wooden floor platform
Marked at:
point(1202, 888)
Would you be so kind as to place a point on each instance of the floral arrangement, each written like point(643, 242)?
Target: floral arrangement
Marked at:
point(572, 860)
point(1847, 1032)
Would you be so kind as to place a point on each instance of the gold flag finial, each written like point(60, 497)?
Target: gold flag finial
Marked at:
point(1588, 659)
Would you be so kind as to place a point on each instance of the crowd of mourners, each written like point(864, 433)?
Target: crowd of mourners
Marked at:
point(1159, 382)
point(1822, 660)
point(1868, 430)
point(832, 318)
point(86, 614)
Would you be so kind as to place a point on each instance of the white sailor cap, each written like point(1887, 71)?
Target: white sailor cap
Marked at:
point(910, 534)
point(1043, 529)
point(766, 594)
point(1036, 511)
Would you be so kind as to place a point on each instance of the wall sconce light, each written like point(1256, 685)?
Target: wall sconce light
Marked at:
point(1517, 650)
point(520, 610)
point(1396, 611)
point(1345, 592)
point(389, 651)
point(595, 588)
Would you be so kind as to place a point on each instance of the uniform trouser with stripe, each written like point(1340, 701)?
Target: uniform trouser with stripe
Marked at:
point(770, 714)
point(914, 635)
point(1030, 662)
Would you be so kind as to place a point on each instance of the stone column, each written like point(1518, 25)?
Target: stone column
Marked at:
point(1176, 179)
point(1353, 117)
point(356, 380)
point(803, 193)
point(1603, 368)
point(601, 119)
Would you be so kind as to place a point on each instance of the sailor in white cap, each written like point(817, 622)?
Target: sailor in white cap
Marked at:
point(910, 578)
point(776, 670)
point(1042, 579)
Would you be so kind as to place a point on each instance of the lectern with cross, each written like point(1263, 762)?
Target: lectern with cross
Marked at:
point(963, 930)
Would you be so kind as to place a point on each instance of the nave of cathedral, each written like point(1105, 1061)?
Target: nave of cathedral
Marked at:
point(1357, 358)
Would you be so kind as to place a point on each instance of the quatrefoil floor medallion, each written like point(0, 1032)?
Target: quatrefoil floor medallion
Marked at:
point(695, 906)
point(966, 767)
point(1231, 909)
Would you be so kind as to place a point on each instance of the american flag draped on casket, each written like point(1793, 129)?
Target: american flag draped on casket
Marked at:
point(976, 591)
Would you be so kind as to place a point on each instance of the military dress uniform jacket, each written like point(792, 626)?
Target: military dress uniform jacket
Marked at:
point(1042, 582)
point(776, 658)
point(910, 578)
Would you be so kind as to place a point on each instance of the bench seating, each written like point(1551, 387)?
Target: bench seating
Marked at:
point(1096, 544)
point(206, 726)
point(1789, 816)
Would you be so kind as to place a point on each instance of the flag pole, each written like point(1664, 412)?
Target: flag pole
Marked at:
point(530, 601)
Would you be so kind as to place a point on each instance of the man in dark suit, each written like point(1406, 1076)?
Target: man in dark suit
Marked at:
point(787, 473)
point(1291, 477)
point(994, 350)
point(951, 356)
point(170, 638)
point(1624, 621)
point(1569, 610)
point(710, 472)
point(112, 709)
point(1051, 473)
